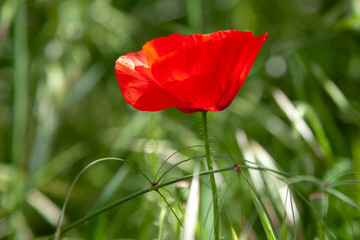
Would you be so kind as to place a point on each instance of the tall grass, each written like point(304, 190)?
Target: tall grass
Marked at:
point(293, 129)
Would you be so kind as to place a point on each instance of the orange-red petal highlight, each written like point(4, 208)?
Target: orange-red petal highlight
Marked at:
point(138, 86)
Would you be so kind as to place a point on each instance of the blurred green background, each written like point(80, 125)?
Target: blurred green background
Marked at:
point(61, 108)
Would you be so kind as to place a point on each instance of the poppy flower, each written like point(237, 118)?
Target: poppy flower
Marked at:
point(190, 72)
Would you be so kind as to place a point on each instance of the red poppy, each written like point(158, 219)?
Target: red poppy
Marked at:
point(190, 72)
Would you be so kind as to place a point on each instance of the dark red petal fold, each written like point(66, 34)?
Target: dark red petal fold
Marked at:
point(138, 85)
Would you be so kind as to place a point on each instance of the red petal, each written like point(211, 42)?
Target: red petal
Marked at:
point(162, 46)
point(138, 85)
point(207, 71)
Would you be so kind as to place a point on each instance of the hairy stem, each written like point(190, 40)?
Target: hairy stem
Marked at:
point(211, 175)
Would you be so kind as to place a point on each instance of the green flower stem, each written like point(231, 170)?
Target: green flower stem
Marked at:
point(212, 176)
point(137, 194)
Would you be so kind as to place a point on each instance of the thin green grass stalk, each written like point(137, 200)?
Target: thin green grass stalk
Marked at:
point(262, 212)
point(58, 230)
point(137, 194)
point(256, 166)
point(329, 189)
point(284, 228)
point(343, 197)
point(178, 227)
point(332, 178)
point(288, 195)
point(231, 177)
point(175, 165)
point(167, 159)
point(327, 228)
point(169, 205)
point(211, 175)
point(345, 182)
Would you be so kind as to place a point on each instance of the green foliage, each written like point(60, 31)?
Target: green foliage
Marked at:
point(295, 121)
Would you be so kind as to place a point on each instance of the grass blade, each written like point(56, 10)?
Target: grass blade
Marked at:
point(343, 198)
point(58, 230)
point(263, 214)
point(233, 234)
point(192, 208)
point(284, 228)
